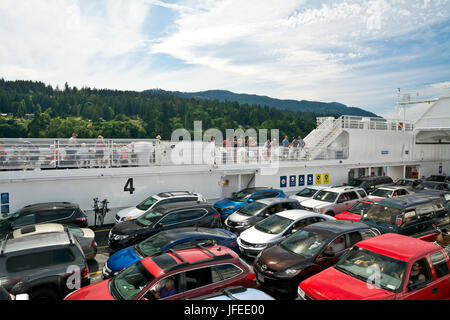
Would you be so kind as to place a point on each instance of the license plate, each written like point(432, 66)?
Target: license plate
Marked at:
point(260, 278)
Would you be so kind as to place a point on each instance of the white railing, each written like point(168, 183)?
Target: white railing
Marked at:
point(48, 154)
point(365, 123)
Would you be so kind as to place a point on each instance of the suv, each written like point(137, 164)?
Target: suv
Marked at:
point(256, 211)
point(334, 200)
point(169, 216)
point(411, 215)
point(411, 183)
point(394, 256)
point(306, 193)
point(370, 183)
point(55, 212)
point(389, 192)
point(308, 251)
point(244, 197)
point(154, 201)
point(438, 178)
point(42, 265)
point(193, 272)
point(433, 185)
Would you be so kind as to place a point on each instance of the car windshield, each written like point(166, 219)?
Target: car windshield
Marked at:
point(152, 245)
point(436, 178)
point(307, 193)
point(382, 214)
point(373, 268)
point(360, 208)
point(327, 196)
point(425, 185)
point(252, 209)
point(274, 224)
point(149, 218)
point(131, 281)
point(147, 203)
point(76, 231)
point(240, 196)
point(357, 183)
point(382, 193)
point(405, 183)
point(304, 243)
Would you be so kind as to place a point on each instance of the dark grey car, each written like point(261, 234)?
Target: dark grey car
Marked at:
point(45, 266)
point(254, 212)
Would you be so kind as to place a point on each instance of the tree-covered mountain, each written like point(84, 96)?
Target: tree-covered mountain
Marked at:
point(291, 105)
point(34, 109)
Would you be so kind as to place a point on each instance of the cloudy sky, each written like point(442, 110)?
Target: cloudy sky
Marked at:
point(354, 52)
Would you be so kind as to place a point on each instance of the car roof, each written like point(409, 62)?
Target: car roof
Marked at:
point(270, 201)
point(237, 293)
point(192, 257)
point(372, 177)
point(342, 189)
point(255, 189)
point(336, 227)
point(433, 192)
point(398, 246)
point(393, 187)
point(186, 232)
point(48, 205)
point(36, 241)
point(27, 231)
point(181, 205)
point(169, 194)
point(406, 201)
point(295, 214)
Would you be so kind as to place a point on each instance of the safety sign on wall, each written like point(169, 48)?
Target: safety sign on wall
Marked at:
point(310, 179)
point(5, 203)
point(292, 181)
point(318, 178)
point(326, 178)
point(283, 181)
point(301, 180)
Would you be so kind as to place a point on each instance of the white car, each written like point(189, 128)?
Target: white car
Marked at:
point(154, 201)
point(389, 192)
point(334, 200)
point(275, 228)
point(306, 193)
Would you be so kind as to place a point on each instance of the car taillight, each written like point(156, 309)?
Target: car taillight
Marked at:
point(398, 222)
point(84, 219)
point(93, 243)
point(217, 216)
point(85, 272)
point(232, 244)
point(251, 276)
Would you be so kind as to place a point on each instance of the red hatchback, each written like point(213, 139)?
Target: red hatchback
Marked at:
point(357, 210)
point(173, 275)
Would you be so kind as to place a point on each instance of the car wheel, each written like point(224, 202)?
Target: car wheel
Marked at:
point(330, 213)
point(44, 295)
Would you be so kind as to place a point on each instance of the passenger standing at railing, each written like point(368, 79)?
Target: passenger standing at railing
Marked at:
point(293, 147)
point(71, 150)
point(99, 151)
point(253, 149)
point(84, 155)
point(275, 151)
point(285, 143)
point(267, 149)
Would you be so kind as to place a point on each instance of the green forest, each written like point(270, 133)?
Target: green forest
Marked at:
point(36, 110)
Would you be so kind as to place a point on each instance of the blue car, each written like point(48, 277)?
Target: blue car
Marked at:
point(237, 293)
point(176, 239)
point(239, 199)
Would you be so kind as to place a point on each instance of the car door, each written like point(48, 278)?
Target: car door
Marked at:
point(170, 221)
point(419, 290)
point(325, 261)
point(441, 286)
point(198, 282)
point(342, 203)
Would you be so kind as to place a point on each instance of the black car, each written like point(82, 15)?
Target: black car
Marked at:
point(50, 212)
point(438, 178)
point(411, 183)
point(370, 183)
point(166, 217)
point(433, 185)
point(314, 248)
point(439, 193)
point(410, 215)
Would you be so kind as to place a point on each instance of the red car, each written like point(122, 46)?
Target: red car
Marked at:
point(357, 210)
point(387, 267)
point(182, 274)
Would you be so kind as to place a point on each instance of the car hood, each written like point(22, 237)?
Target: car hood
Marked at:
point(381, 226)
point(228, 203)
point(96, 291)
point(348, 216)
point(312, 203)
point(130, 212)
point(237, 217)
point(255, 236)
point(299, 198)
point(331, 284)
point(278, 258)
point(122, 259)
point(127, 227)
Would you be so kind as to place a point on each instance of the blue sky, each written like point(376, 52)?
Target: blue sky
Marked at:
point(354, 52)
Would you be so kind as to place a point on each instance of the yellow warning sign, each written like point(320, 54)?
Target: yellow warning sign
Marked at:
point(326, 178)
point(318, 178)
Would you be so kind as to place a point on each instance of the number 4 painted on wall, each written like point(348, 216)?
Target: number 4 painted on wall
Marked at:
point(129, 186)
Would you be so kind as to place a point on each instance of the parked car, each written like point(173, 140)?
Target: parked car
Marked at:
point(356, 212)
point(237, 293)
point(6, 296)
point(389, 192)
point(254, 212)
point(334, 200)
point(85, 236)
point(316, 247)
point(306, 193)
point(42, 265)
point(411, 215)
point(370, 183)
point(410, 183)
point(438, 178)
point(445, 195)
point(396, 258)
point(433, 185)
point(192, 272)
point(167, 217)
point(54, 212)
point(154, 201)
point(274, 229)
point(244, 197)
point(175, 239)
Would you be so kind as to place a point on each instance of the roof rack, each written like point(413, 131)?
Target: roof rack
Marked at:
point(69, 234)
point(2, 250)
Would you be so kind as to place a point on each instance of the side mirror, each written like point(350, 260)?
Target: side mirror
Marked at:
point(158, 226)
point(250, 200)
point(294, 231)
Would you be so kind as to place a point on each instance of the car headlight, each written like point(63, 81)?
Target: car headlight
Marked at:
point(126, 218)
point(288, 272)
point(318, 210)
point(260, 245)
point(300, 292)
point(118, 237)
point(228, 208)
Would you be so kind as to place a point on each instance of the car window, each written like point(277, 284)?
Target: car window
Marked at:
point(53, 215)
point(425, 211)
point(362, 193)
point(228, 271)
point(171, 218)
point(440, 209)
point(39, 260)
point(200, 277)
point(290, 205)
point(409, 216)
point(352, 195)
point(354, 237)
point(24, 220)
point(366, 234)
point(191, 214)
point(337, 245)
point(193, 243)
point(343, 197)
point(419, 272)
point(439, 263)
point(315, 220)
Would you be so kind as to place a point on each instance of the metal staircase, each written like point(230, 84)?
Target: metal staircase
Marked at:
point(319, 139)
